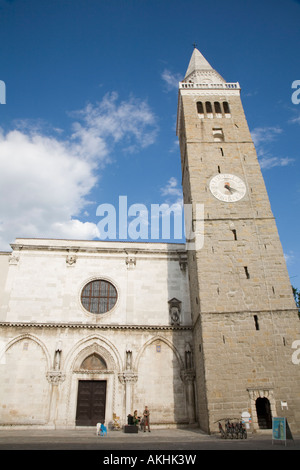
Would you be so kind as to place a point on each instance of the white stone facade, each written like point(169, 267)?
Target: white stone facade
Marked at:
point(46, 333)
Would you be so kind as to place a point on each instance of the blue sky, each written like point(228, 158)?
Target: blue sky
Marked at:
point(91, 102)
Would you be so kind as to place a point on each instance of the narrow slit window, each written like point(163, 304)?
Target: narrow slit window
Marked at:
point(256, 322)
point(247, 272)
point(234, 234)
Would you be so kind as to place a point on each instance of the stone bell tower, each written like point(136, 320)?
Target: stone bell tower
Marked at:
point(244, 316)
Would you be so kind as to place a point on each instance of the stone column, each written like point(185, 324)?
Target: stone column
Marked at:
point(54, 377)
point(188, 377)
point(127, 378)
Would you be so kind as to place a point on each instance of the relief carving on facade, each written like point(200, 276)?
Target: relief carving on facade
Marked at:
point(71, 260)
point(128, 376)
point(14, 259)
point(55, 377)
point(130, 262)
point(175, 311)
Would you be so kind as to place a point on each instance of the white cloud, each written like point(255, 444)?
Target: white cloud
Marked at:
point(270, 162)
point(45, 182)
point(295, 120)
point(171, 188)
point(131, 121)
point(262, 136)
point(289, 257)
point(173, 194)
point(171, 79)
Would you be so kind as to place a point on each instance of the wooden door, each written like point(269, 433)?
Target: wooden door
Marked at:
point(91, 402)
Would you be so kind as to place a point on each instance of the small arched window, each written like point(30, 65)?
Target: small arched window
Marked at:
point(200, 109)
point(226, 107)
point(208, 107)
point(218, 109)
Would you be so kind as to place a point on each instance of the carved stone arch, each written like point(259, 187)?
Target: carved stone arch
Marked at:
point(35, 339)
point(155, 368)
point(261, 393)
point(25, 397)
point(93, 344)
point(97, 349)
point(163, 340)
point(94, 362)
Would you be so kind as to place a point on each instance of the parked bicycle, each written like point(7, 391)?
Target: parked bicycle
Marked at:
point(241, 431)
point(233, 429)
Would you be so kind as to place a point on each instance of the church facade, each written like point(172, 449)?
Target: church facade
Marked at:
point(91, 331)
point(95, 330)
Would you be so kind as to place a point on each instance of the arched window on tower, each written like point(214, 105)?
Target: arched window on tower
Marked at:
point(226, 109)
point(209, 111)
point(200, 109)
point(218, 110)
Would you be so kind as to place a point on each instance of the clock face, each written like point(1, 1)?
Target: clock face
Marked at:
point(227, 188)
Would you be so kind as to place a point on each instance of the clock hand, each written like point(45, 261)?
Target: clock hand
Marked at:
point(227, 186)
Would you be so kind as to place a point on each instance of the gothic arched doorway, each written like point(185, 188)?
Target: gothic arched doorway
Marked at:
point(91, 399)
point(263, 411)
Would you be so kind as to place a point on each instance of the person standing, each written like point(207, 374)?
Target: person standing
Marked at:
point(146, 415)
point(136, 419)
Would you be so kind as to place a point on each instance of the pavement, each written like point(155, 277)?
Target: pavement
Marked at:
point(172, 441)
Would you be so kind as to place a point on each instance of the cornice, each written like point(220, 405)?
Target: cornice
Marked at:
point(93, 326)
point(92, 245)
point(144, 249)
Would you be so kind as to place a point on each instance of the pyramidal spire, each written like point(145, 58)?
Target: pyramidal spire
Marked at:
point(199, 70)
point(197, 62)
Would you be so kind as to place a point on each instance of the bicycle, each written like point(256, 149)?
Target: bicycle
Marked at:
point(221, 430)
point(242, 432)
point(229, 428)
point(233, 429)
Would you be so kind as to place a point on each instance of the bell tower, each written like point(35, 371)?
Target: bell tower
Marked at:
point(245, 321)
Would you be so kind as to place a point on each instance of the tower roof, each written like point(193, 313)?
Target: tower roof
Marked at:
point(197, 62)
point(199, 69)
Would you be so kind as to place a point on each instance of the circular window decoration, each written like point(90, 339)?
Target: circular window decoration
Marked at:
point(99, 296)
